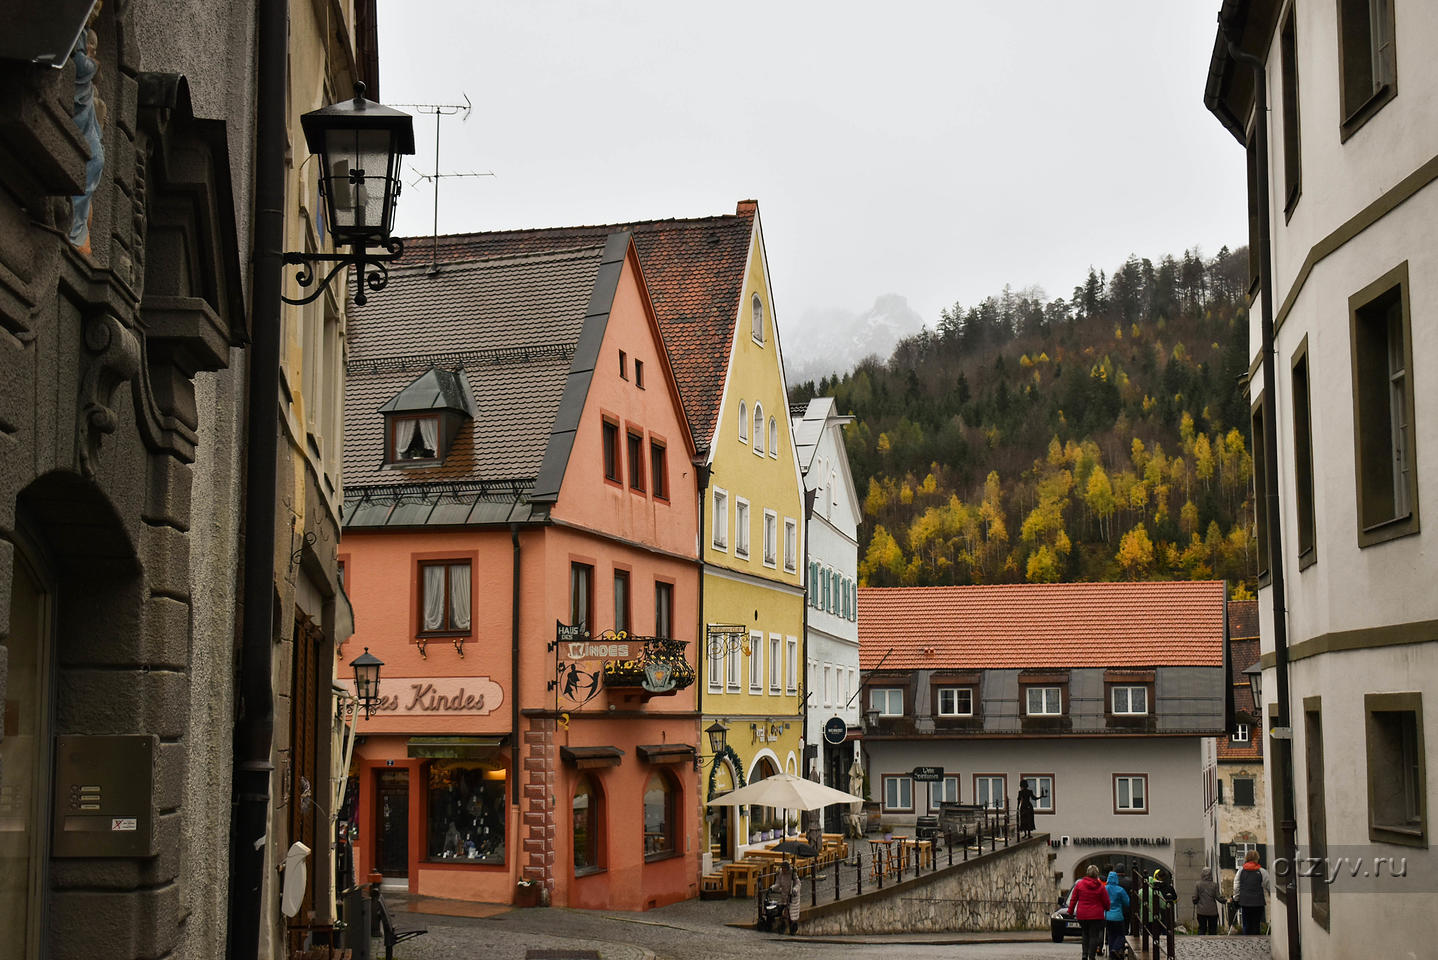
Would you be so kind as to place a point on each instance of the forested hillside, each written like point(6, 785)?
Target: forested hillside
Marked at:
point(1104, 436)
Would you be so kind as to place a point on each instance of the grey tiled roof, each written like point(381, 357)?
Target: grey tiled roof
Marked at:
point(510, 323)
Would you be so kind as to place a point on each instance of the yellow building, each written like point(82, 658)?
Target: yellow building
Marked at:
point(724, 343)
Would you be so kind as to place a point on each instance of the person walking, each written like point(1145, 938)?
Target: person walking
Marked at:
point(1155, 903)
point(1116, 917)
point(1252, 887)
point(1205, 903)
point(1088, 902)
point(1026, 810)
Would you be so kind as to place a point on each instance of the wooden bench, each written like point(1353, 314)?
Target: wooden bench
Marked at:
point(391, 935)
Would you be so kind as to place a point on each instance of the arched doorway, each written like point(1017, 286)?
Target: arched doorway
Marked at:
point(764, 821)
point(1127, 865)
point(723, 821)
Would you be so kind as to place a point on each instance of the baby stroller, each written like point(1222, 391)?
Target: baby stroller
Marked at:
point(779, 903)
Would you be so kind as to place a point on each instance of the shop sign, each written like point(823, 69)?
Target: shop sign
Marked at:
point(1121, 841)
point(657, 665)
point(928, 774)
point(835, 730)
point(437, 696)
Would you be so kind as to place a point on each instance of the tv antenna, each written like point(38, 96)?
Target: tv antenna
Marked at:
point(441, 110)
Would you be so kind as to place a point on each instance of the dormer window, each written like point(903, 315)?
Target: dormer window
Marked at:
point(422, 422)
point(413, 439)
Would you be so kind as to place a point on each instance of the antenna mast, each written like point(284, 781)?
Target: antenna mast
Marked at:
point(441, 110)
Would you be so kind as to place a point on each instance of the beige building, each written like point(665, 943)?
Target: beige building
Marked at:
point(1334, 103)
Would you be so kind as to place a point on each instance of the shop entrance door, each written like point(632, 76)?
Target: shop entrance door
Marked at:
point(392, 826)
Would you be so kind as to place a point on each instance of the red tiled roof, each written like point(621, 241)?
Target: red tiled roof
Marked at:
point(1243, 618)
point(694, 270)
point(998, 626)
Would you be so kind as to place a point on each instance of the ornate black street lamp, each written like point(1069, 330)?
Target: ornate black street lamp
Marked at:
point(366, 667)
point(359, 144)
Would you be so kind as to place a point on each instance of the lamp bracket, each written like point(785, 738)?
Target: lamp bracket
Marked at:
point(372, 267)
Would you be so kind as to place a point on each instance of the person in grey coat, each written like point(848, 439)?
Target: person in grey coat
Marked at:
point(1205, 902)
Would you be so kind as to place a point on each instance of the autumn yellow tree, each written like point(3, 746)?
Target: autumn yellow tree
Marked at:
point(883, 563)
point(1135, 553)
point(1100, 498)
point(1043, 566)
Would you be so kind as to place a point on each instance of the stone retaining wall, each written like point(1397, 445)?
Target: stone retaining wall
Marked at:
point(1009, 889)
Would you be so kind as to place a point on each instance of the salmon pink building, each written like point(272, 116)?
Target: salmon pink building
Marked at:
point(520, 545)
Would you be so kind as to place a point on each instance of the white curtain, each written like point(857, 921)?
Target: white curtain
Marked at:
point(459, 596)
point(404, 436)
point(433, 598)
point(429, 429)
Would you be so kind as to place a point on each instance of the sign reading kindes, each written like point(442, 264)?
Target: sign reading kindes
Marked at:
point(436, 696)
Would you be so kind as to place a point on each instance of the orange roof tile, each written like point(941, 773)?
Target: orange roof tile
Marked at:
point(694, 270)
point(1167, 623)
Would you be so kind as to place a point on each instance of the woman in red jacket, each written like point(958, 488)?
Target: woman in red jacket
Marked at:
point(1088, 902)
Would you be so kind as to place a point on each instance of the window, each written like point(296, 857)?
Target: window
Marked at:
point(734, 665)
point(1303, 459)
point(756, 664)
point(718, 646)
point(466, 811)
point(771, 538)
point(587, 823)
point(1130, 793)
point(1042, 784)
point(776, 664)
point(621, 601)
point(581, 595)
point(663, 609)
point(898, 793)
point(1397, 778)
point(1383, 409)
point(889, 701)
point(659, 469)
point(756, 326)
point(414, 439)
point(660, 819)
point(444, 604)
point(719, 522)
point(623, 365)
point(1260, 489)
point(1243, 791)
point(1044, 701)
point(759, 428)
point(741, 527)
point(1288, 49)
point(773, 439)
point(610, 431)
point(945, 791)
point(824, 601)
point(828, 677)
point(743, 423)
point(636, 462)
point(989, 790)
point(1240, 733)
point(791, 544)
point(1132, 701)
point(1367, 59)
point(791, 673)
point(956, 702)
point(639, 374)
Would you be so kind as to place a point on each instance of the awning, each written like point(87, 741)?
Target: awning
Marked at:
point(586, 758)
point(665, 752)
point(457, 748)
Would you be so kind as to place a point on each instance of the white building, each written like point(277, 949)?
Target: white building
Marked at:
point(832, 635)
point(1098, 694)
point(1343, 154)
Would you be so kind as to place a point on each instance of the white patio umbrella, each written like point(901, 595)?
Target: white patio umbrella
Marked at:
point(786, 791)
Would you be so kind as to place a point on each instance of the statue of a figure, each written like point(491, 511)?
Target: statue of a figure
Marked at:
point(89, 115)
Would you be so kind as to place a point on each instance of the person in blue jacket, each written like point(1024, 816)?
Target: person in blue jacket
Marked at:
point(1116, 916)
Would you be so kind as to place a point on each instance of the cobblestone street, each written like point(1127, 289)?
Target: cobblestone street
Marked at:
point(704, 930)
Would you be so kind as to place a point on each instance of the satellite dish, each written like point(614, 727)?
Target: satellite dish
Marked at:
point(296, 879)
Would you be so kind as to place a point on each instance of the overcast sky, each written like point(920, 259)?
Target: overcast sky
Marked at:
point(934, 150)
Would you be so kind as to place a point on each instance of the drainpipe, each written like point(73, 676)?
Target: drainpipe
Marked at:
point(514, 673)
point(1280, 725)
point(803, 688)
point(702, 470)
point(254, 728)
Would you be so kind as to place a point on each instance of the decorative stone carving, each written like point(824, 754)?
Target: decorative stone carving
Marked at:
point(115, 361)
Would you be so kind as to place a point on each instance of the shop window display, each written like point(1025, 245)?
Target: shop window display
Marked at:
point(659, 817)
point(587, 822)
point(466, 812)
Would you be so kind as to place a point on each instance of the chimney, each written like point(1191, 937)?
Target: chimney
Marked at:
point(747, 208)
